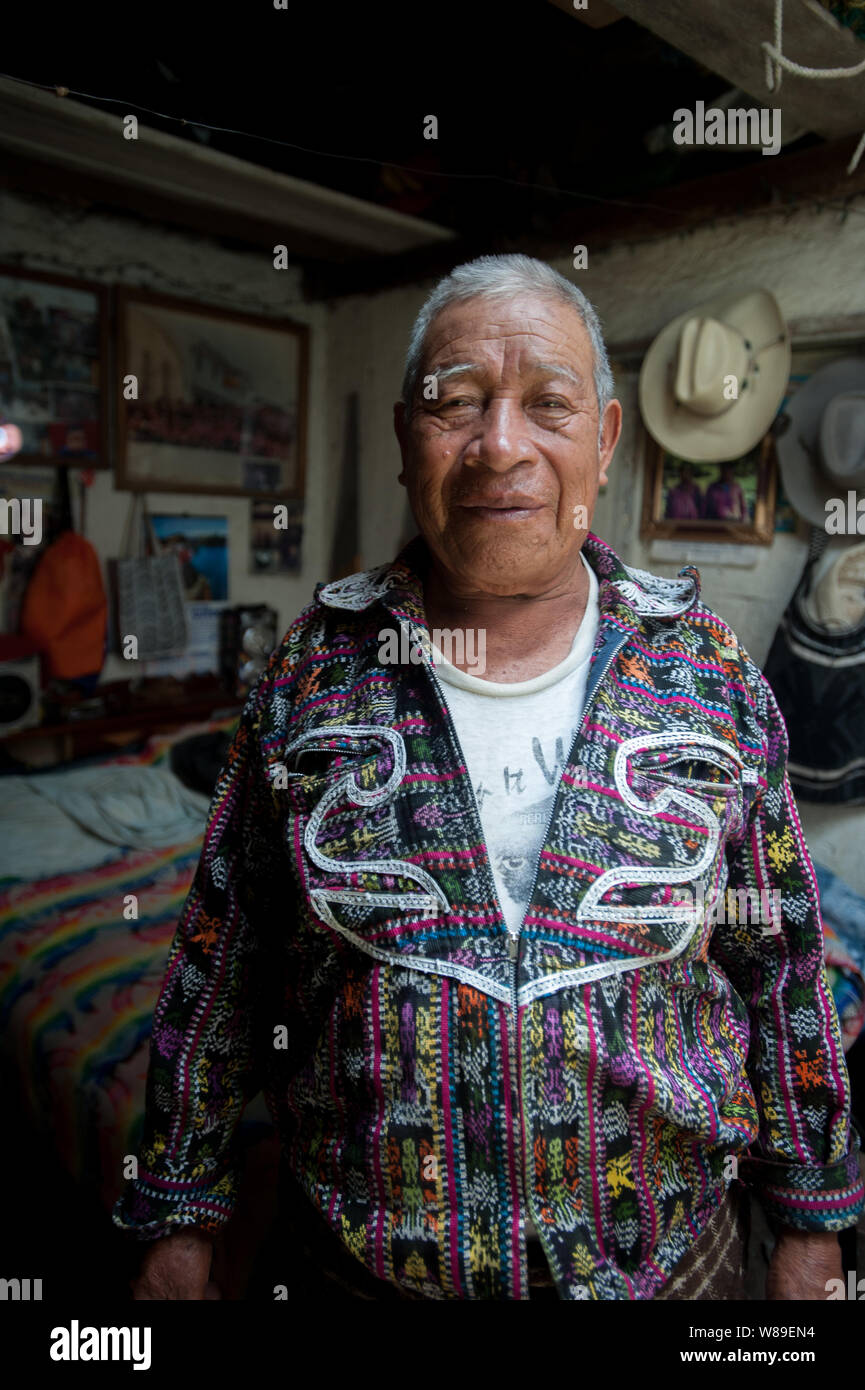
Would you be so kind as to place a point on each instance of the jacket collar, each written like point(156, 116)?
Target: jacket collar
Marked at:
point(626, 596)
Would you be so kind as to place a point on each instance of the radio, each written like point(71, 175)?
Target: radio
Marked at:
point(19, 684)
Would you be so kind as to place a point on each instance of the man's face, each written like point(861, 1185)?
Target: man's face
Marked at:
point(503, 468)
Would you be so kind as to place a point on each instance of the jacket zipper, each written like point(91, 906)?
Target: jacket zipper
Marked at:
point(517, 1097)
point(513, 953)
point(593, 687)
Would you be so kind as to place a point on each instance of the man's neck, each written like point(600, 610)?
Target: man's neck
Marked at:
point(525, 635)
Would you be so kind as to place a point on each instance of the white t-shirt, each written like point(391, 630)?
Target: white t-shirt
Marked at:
point(515, 739)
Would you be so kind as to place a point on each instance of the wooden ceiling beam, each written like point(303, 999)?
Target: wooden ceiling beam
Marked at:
point(726, 37)
point(45, 180)
point(155, 169)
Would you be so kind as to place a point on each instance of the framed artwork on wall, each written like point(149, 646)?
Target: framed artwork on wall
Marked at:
point(53, 367)
point(275, 549)
point(209, 400)
point(731, 501)
point(201, 546)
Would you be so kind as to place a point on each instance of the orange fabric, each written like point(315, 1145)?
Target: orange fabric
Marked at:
point(65, 611)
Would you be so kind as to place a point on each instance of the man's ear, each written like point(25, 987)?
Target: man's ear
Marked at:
point(609, 438)
point(399, 429)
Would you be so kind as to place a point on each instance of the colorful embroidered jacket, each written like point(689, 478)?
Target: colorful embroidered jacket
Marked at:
point(342, 948)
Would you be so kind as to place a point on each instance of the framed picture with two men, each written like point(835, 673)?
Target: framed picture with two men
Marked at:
point(734, 500)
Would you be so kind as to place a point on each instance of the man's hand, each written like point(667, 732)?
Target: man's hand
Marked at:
point(177, 1267)
point(802, 1263)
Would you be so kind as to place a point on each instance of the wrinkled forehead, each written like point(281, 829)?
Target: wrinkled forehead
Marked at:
point(524, 329)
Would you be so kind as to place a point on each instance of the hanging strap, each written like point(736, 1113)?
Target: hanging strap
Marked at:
point(64, 511)
point(149, 539)
point(132, 544)
point(818, 540)
point(126, 538)
point(139, 537)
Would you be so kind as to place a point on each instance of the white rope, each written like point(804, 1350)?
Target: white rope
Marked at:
point(784, 62)
point(777, 62)
point(773, 69)
point(857, 154)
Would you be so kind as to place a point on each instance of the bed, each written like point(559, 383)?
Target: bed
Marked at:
point(82, 955)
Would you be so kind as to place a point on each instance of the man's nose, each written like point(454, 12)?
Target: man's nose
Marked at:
point(502, 439)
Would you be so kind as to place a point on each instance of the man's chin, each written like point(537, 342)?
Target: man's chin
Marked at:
point(503, 569)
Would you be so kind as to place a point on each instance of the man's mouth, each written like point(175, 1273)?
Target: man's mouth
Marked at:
point(503, 509)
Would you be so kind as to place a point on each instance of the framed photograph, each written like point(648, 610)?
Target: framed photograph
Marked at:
point(53, 356)
point(731, 501)
point(275, 549)
point(201, 546)
point(209, 400)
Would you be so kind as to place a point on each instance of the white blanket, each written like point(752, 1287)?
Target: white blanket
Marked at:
point(62, 822)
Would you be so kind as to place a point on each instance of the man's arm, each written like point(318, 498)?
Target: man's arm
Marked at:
point(177, 1267)
point(206, 1040)
point(803, 1165)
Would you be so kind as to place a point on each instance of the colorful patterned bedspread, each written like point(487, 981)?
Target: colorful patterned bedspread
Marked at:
point(79, 979)
point(78, 985)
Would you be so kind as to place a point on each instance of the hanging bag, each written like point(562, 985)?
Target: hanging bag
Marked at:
point(150, 602)
point(818, 676)
point(64, 612)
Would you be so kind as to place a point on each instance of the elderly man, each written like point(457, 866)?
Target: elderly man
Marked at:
point(462, 926)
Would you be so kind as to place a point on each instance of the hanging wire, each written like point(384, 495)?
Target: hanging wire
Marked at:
point(331, 154)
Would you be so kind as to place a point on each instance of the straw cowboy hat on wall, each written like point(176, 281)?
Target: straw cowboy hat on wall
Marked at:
point(713, 379)
point(820, 442)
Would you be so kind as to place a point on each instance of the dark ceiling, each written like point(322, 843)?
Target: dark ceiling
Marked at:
point(539, 116)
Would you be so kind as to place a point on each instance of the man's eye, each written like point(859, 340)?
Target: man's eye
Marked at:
point(551, 403)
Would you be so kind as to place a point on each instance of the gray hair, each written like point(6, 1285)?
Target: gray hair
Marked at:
point(491, 276)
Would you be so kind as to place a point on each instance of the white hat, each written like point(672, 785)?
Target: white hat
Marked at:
point(713, 379)
point(820, 439)
point(838, 599)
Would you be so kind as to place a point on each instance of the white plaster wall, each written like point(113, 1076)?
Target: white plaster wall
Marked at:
point(367, 341)
point(811, 260)
point(112, 249)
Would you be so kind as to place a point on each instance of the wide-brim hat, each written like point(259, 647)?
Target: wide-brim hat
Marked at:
point(713, 379)
point(837, 600)
point(820, 439)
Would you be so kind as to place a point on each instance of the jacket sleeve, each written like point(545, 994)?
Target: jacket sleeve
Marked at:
point(803, 1165)
point(211, 1019)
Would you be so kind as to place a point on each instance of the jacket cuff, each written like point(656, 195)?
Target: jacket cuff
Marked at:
point(154, 1206)
point(805, 1196)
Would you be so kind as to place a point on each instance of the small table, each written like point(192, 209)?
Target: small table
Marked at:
point(152, 707)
